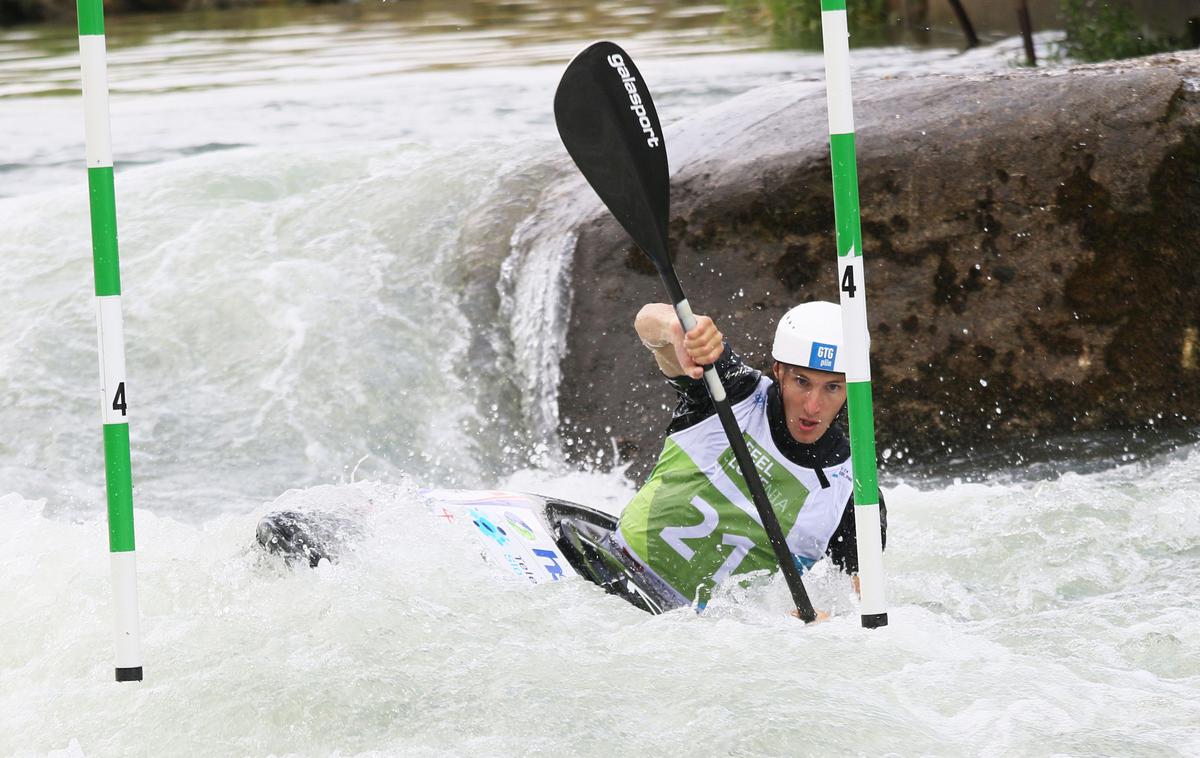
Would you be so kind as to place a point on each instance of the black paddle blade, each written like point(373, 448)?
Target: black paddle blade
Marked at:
point(607, 121)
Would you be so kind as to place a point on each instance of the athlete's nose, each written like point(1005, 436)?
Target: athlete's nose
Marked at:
point(812, 403)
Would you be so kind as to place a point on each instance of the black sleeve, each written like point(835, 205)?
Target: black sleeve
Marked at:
point(843, 546)
point(694, 403)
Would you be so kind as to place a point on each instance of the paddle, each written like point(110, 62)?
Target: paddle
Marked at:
point(608, 123)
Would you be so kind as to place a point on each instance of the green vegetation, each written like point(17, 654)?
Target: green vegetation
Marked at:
point(797, 23)
point(1101, 30)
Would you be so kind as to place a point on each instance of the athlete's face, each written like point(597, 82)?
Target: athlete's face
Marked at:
point(811, 399)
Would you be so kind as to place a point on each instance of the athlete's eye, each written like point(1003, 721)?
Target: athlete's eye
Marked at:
point(833, 388)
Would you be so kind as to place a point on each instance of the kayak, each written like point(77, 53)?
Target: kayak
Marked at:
point(539, 539)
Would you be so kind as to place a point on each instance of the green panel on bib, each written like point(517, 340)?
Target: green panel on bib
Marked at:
point(833, 5)
point(686, 529)
point(786, 492)
point(636, 515)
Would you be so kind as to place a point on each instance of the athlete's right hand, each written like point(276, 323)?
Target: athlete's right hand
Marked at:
point(700, 347)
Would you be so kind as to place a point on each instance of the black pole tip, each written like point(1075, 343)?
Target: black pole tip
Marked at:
point(131, 674)
point(874, 620)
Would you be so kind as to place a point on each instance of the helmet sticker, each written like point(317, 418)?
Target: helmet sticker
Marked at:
point(823, 356)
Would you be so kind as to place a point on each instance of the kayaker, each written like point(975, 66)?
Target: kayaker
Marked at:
point(693, 524)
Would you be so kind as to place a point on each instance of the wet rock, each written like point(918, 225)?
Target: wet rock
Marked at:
point(1032, 244)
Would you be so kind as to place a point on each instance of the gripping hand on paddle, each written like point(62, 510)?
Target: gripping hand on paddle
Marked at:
point(678, 354)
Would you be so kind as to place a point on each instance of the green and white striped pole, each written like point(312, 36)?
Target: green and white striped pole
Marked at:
point(113, 405)
point(852, 284)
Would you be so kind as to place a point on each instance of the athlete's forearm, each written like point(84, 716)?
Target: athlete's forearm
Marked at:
point(677, 353)
point(658, 328)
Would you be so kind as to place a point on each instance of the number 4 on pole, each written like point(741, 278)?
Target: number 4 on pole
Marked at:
point(119, 403)
point(848, 282)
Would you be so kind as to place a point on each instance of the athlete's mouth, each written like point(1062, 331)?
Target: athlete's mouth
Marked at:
point(808, 424)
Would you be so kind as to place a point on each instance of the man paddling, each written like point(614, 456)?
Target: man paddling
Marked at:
point(692, 524)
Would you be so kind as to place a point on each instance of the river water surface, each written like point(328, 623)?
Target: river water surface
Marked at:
point(315, 214)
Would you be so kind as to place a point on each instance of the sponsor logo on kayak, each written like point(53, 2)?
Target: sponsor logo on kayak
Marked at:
point(485, 525)
point(822, 356)
point(517, 564)
point(617, 61)
point(519, 526)
point(550, 563)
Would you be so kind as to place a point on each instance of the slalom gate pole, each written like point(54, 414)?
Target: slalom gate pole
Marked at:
point(853, 293)
point(111, 338)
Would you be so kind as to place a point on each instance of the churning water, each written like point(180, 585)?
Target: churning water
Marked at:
point(323, 310)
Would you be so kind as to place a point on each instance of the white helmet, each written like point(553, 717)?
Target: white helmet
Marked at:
point(810, 335)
